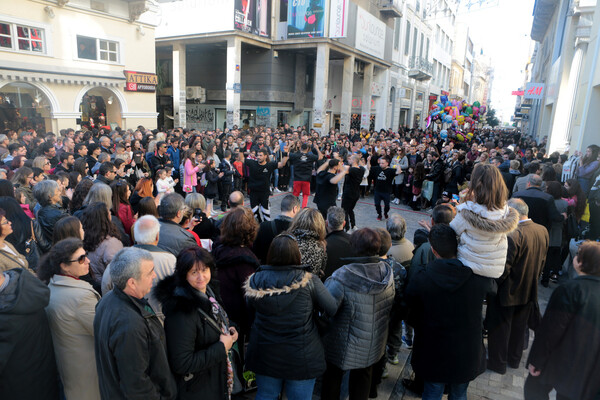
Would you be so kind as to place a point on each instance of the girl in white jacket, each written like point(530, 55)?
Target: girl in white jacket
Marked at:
point(482, 222)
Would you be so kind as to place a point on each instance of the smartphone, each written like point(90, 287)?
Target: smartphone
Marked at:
point(198, 213)
point(455, 197)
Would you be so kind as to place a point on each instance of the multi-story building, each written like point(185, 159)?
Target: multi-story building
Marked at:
point(441, 15)
point(565, 80)
point(63, 63)
point(320, 63)
point(462, 62)
point(482, 77)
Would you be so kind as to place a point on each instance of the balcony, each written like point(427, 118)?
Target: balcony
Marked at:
point(419, 68)
point(391, 8)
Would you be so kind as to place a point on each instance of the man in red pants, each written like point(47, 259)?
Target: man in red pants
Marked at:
point(302, 162)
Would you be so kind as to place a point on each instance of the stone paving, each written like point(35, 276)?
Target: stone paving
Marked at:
point(489, 385)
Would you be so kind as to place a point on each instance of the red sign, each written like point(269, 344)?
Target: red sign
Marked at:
point(433, 97)
point(444, 93)
point(140, 81)
point(518, 92)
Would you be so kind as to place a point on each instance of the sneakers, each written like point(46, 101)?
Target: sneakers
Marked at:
point(386, 216)
point(379, 218)
point(554, 278)
point(407, 342)
point(393, 359)
point(385, 373)
point(276, 190)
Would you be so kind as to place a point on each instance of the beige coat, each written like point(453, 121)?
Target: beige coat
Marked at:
point(71, 315)
point(10, 261)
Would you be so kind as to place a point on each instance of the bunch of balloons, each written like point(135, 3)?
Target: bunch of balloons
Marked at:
point(458, 114)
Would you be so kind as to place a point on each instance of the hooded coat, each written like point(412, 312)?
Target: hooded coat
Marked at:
point(196, 355)
point(482, 234)
point(27, 363)
point(364, 293)
point(446, 300)
point(284, 341)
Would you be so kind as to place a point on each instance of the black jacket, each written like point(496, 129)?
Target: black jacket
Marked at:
point(284, 340)
point(542, 209)
point(436, 174)
point(27, 363)
point(196, 355)
point(338, 247)
point(567, 343)
point(446, 300)
point(266, 233)
point(47, 217)
point(131, 354)
point(158, 162)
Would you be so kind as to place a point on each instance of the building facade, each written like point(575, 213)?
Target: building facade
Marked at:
point(565, 78)
point(69, 63)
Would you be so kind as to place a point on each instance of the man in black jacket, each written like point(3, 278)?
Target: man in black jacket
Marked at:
point(338, 241)
point(436, 175)
point(160, 158)
point(541, 204)
point(131, 354)
point(446, 301)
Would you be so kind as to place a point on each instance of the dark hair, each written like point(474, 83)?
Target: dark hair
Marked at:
point(187, 259)
point(46, 147)
point(386, 241)
point(147, 206)
point(442, 214)
point(589, 257)
point(533, 167)
point(65, 156)
point(66, 227)
point(6, 188)
point(487, 187)
point(95, 220)
point(61, 252)
point(443, 240)
point(366, 242)
point(284, 251)
point(333, 163)
point(80, 193)
point(119, 195)
point(20, 176)
point(554, 189)
point(548, 173)
point(576, 190)
point(105, 167)
point(288, 203)
point(80, 165)
point(595, 149)
point(239, 227)
point(73, 179)
point(78, 147)
point(21, 223)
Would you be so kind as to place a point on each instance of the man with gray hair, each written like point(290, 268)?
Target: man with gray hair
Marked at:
point(146, 231)
point(129, 340)
point(542, 209)
point(267, 230)
point(173, 238)
point(508, 312)
point(402, 248)
point(338, 241)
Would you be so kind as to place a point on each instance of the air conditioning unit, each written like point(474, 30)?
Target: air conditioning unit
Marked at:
point(359, 67)
point(195, 92)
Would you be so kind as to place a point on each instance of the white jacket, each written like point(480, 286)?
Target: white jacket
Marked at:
point(482, 243)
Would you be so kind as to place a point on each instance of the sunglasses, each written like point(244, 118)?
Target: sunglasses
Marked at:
point(80, 259)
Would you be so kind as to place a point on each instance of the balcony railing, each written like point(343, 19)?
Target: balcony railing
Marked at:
point(419, 68)
point(393, 8)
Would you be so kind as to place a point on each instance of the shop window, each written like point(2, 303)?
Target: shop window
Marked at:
point(22, 38)
point(97, 49)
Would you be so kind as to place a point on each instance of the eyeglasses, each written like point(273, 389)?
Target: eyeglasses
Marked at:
point(80, 259)
point(6, 222)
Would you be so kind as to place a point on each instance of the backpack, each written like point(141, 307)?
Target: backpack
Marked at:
point(447, 174)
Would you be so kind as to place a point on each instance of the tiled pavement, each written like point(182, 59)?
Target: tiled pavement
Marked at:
point(489, 385)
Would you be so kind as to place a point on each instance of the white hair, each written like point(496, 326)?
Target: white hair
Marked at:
point(146, 229)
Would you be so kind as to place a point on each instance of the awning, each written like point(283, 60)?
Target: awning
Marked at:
point(542, 14)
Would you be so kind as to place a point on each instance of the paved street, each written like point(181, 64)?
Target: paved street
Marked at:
point(489, 385)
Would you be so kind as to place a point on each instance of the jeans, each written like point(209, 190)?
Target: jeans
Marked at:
point(435, 391)
point(276, 178)
point(270, 388)
point(379, 197)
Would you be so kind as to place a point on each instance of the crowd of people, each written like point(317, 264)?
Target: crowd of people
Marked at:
point(131, 267)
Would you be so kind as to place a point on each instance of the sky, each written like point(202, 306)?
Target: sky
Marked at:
point(502, 29)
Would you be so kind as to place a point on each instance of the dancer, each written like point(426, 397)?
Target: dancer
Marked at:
point(303, 162)
point(351, 191)
point(259, 184)
point(382, 190)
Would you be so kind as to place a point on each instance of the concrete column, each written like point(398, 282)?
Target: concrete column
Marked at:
point(365, 118)
point(299, 84)
point(179, 85)
point(321, 87)
point(413, 105)
point(382, 117)
point(233, 86)
point(347, 88)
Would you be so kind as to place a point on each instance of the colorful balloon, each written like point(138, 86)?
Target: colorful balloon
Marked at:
point(460, 119)
point(444, 134)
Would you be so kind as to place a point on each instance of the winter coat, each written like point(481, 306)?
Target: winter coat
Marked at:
point(196, 355)
point(8, 260)
point(130, 348)
point(284, 340)
point(482, 234)
point(542, 209)
point(126, 217)
point(402, 250)
point(338, 248)
point(174, 238)
point(364, 293)
point(190, 175)
point(312, 250)
point(71, 316)
point(27, 363)
point(446, 301)
point(211, 190)
point(266, 233)
point(234, 265)
point(567, 343)
point(47, 217)
point(103, 255)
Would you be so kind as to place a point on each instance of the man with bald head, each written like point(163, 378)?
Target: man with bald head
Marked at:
point(541, 204)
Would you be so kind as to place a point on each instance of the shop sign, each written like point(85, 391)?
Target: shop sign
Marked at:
point(140, 81)
point(263, 116)
point(253, 16)
point(306, 18)
point(534, 90)
point(338, 18)
point(370, 33)
point(518, 92)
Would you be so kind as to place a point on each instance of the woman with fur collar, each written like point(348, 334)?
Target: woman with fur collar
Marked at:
point(483, 222)
point(285, 347)
point(197, 328)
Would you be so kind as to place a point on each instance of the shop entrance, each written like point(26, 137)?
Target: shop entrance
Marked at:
point(99, 107)
point(24, 106)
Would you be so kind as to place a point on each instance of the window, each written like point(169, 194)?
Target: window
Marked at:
point(421, 45)
point(415, 37)
point(97, 49)
point(407, 41)
point(397, 33)
point(427, 50)
point(22, 38)
point(418, 6)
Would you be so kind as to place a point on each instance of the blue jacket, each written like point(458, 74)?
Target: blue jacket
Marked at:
point(175, 157)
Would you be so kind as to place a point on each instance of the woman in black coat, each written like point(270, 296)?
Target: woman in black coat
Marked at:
point(197, 328)
point(285, 347)
point(565, 354)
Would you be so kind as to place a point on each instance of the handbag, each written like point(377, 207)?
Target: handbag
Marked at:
point(32, 251)
point(427, 189)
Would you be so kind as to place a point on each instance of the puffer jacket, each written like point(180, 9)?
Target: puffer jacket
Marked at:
point(47, 217)
point(364, 292)
point(482, 234)
point(312, 252)
point(284, 341)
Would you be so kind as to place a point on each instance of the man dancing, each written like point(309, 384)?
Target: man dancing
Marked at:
point(351, 192)
point(384, 175)
point(303, 162)
point(259, 182)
